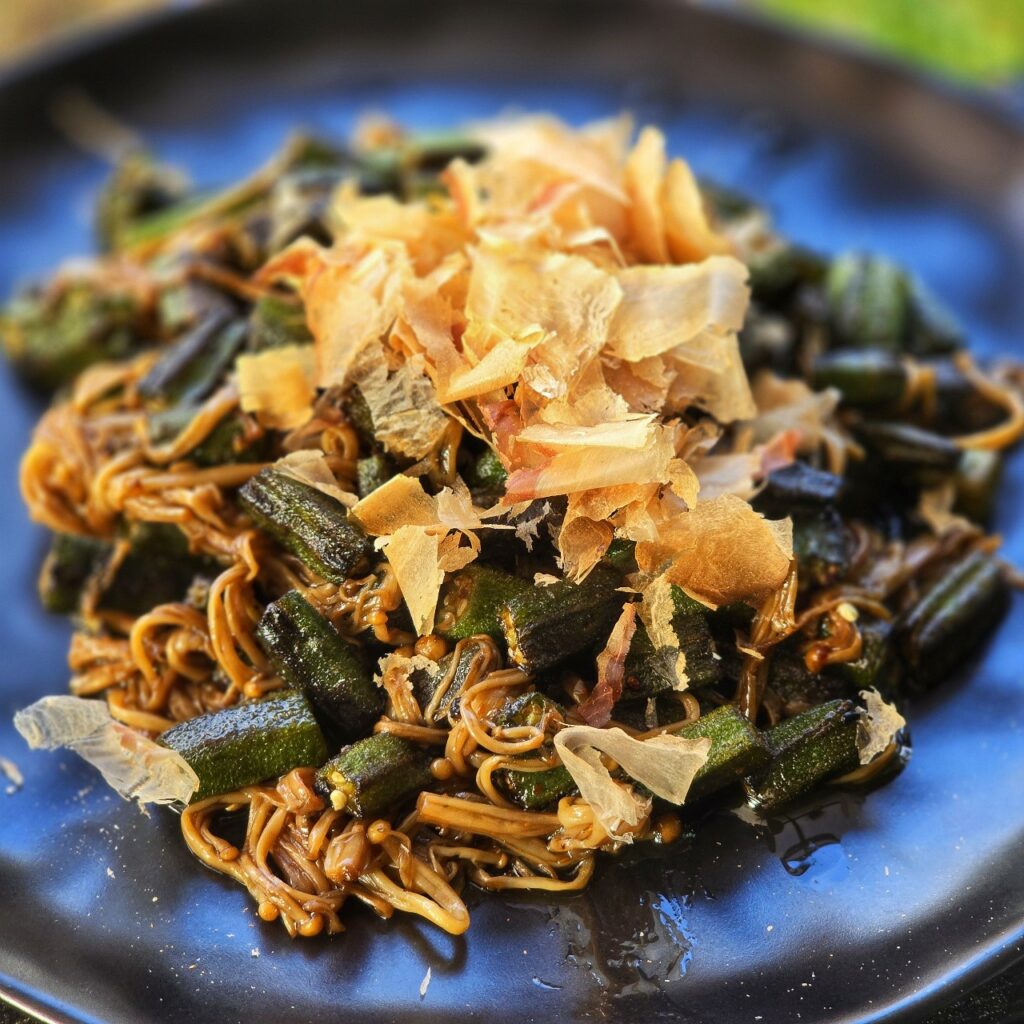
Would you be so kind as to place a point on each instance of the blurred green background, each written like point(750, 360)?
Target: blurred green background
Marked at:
point(978, 41)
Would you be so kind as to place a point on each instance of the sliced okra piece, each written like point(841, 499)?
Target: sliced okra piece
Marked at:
point(71, 563)
point(805, 750)
point(275, 322)
point(311, 655)
point(473, 600)
point(366, 778)
point(738, 748)
point(865, 378)
point(244, 744)
point(313, 526)
point(869, 302)
point(372, 472)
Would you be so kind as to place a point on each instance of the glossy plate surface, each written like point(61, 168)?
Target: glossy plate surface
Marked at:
point(873, 908)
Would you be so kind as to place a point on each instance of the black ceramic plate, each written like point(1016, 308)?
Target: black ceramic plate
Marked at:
point(868, 909)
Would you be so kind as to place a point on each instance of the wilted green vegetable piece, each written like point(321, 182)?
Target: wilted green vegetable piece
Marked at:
point(372, 472)
point(822, 545)
point(548, 624)
point(236, 438)
point(192, 367)
point(473, 599)
point(139, 186)
point(805, 750)
point(158, 568)
point(865, 378)
point(312, 525)
point(869, 302)
point(275, 322)
point(72, 562)
point(977, 483)
point(366, 778)
point(906, 447)
point(310, 654)
point(51, 336)
point(953, 617)
point(246, 743)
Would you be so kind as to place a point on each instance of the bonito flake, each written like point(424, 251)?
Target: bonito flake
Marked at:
point(569, 301)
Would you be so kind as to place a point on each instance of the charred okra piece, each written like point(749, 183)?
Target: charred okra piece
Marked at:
point(737, 748)
point(311, 655)
point(274, 323)
point(313, 526)
point(70, 564)
point(366, 778)
point(547, 624)
point(473, 601)
point(196, 363)
point(246, 743)
point(801, 484)
point(805, 750)
point(651, 670)
point(372, 472)
point(953, 617)
point(869, 302)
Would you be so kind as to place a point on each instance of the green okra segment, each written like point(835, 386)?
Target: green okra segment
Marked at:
point(545, 625)
point(156, 569)
point(865, 379)
point(71, 564)
point(822, 544)
point(534, 789)
point(192, 367)
point(236, 438)
point(311, 655)
point(371, 775)
point(138, 187)
point(246, 743)
point(819, 744)
point(651, 670)
point(473, 600)
point(869, 302)
point(313, 526)
point(953, 617)
point(738, 748)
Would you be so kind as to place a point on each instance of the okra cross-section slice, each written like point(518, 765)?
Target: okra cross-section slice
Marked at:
point(369, 776)
point(473, 600)
point(737, 748)
point(310, 654)
point(547, 624)
point(246, 743)
point(805, 750)
point(312, 525)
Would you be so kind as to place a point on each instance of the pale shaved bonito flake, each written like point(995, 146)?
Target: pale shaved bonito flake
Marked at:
point(277, 385)
point(720, 551)
point(666, 307)
point(414, 555)
point(665, 764)
point(401, 501)
point(131, 763)
point(407, 418)
point(309, 466)
point(877, 729)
